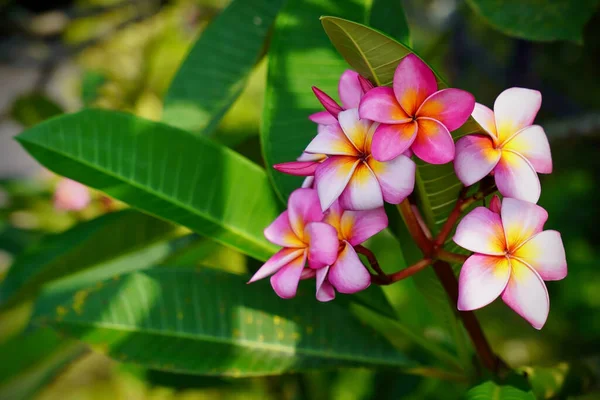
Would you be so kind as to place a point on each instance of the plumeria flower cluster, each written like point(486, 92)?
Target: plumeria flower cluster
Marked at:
point(362, 157)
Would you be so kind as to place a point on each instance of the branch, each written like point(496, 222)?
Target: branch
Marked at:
point(382, 278)
point(451, 257)
point(414, 227)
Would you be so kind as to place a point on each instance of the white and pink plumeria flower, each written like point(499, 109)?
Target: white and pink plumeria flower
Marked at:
point(324, 242)
point(414, 114)
point(512, 148)
point(513, 257)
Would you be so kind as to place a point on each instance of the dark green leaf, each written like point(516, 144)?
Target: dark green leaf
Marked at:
point(388, 16)
point(215, 71)
point(31, 109)
point(163, 171)
point(535, 20)
point(514, 388)
point(89, 245)
point(31, 360)
point(299, 58)
point(209, 322)
point(560, 381)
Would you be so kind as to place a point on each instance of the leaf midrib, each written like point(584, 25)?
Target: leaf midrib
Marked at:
point(246, 344)
point(164, 197)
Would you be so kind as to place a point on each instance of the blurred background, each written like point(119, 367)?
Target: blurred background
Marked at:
point(59, 56)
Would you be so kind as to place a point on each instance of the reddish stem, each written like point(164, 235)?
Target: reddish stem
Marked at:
point(383, 279)
point(414, 228)
point(410, 271)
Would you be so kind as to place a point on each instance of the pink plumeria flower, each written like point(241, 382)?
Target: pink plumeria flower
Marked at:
point(351, 88)
point(350, 172)
point(303, 236)
point(513, 257)
point(415, 114)
point(305, 165)
point(70, 195)
point(348, 274)
point(512, 148)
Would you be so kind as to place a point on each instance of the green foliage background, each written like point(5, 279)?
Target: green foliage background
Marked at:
point(371, 346)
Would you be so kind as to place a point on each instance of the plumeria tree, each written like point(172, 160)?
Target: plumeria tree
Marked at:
point(449, 186)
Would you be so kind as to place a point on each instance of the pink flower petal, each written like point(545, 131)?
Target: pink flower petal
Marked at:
point(516, 178)
point(485, 117)
point(363, 191)
point(323, 244)
point(71, 195)
point(514, 109)
point(297, 168)
point(280, 232)
point(285, 281)
point(332, 177)
point(396, 177)
point(322, 118)
point(308, 273)
point(482, 279)
point(303, 207)
point(546, 254)
point(413, 83)
point(521, 220)
point(532, 143)
point(380, 105)
point(330, 104)
point(452, 107)
point(333, 216)
point(325, 292)
point(389, 141)
point(354, 128)
point(365, 84)
point(331, 140)
point(495, 204)
point(349, 89)
point(527, 295)
point(281, 258)
point(481, 231)
point(358, 226)
point(348, 274)
point(433, 144)
point(475, 158)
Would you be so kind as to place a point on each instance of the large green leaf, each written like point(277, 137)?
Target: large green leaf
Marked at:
point(513, 388)
point(33, 359)
point(535, 20)
point(163, 171)
point(215, 70)
point(300, 57)
point(210, 322)
point(89, 245)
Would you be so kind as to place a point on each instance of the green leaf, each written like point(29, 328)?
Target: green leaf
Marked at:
point(31, 109)
point(534, 20)
point(163, 171)
point(300, 57)
point(88, 245)
point(229, 327)
point(514, 388)
point(32, 360)
point(561, 380)
point(215, 70)
point(388, 16)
